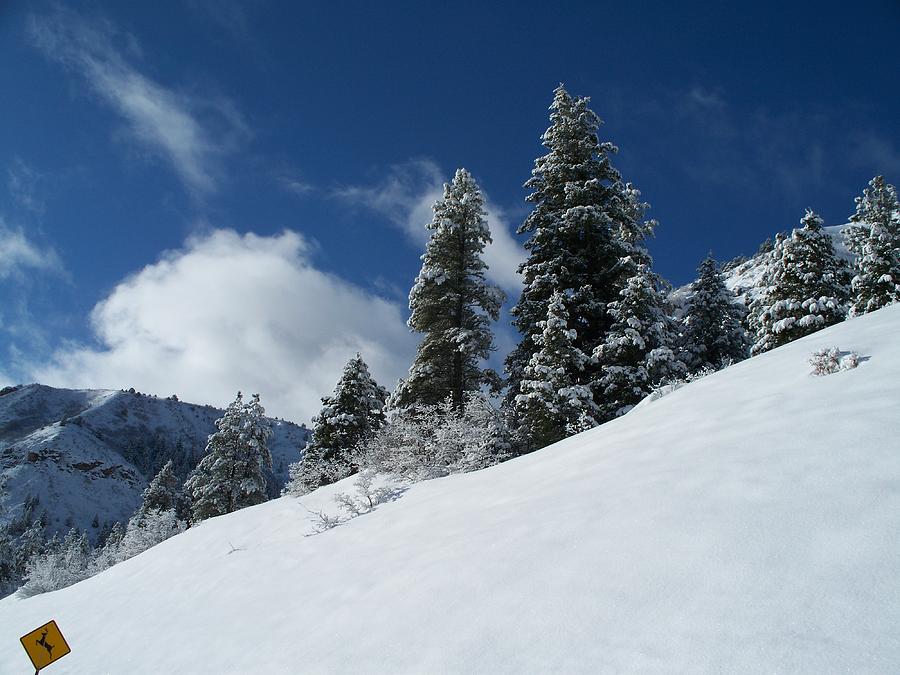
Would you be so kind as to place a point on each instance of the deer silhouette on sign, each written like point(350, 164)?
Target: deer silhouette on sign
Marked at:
point(43, 643)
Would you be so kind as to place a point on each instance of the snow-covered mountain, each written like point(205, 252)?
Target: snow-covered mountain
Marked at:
point(746, 279)
point(85, 456)
point(747, 522)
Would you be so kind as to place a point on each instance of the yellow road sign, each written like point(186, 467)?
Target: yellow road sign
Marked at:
point(45, 645)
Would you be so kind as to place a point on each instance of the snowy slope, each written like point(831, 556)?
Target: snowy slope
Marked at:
point(746, 523)
point(87, 453)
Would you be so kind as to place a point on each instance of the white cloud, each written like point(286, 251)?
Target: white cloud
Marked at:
point(193, 133)
point(231, 312)
point(18, 254)
point(405, 197)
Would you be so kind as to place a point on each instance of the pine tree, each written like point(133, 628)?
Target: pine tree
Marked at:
point(580, 205)
point(161, 494)
point(230, 475)
point(637, 352)
point(452, 305)
point(8, 574)
point(806, 287)
point(713, 331)
point(875, 239)
point(348, 419)
point(551, 399)
point(31, 543)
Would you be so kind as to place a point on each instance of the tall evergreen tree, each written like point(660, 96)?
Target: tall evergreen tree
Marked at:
point(637, 351)
point(452, 304)
point(806, 287)
point(161, 494)
point(713, 331)
point(349, 418)
point(580, 204)
point(875, 239)
point(230, 476)
point(551, 402)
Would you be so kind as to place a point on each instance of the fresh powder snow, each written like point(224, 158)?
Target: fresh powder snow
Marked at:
point(746, 522)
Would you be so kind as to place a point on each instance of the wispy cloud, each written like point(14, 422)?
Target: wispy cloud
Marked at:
point(873, 150)
point(405, 196)
point(296, 186)
point(228, 15)
point(25, 267)
point(193, 133)
point(22, 184)
point(786, 152)
point(19, 255)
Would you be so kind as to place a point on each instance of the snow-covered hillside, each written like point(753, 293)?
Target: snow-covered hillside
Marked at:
point(746, 279)
point(86, 454)
point(747, 522)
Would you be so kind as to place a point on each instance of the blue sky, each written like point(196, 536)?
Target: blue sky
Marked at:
point(202, 196)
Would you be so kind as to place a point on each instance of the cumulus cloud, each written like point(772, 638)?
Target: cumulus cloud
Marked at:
point(191, 132)
point(229, 312)
point(405, 196)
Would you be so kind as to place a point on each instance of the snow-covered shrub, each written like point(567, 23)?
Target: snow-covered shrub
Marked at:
point(365, 499)
point(668, 385)
point(153, 528)
point(433, 441)
point(830, 360)
point(65, 563)
point(61, 564)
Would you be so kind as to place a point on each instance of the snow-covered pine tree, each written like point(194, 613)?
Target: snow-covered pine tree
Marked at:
point(161, 494)
point(713, 332)
point(230, 475)
point(806, 287)
point(579, 205)
point(551, 399)
point(637, 352)
point(875, 239)
point(9, 579)
point(347, 420)
point(452, 304)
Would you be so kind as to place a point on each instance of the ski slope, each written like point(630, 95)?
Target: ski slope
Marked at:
point(748, 522)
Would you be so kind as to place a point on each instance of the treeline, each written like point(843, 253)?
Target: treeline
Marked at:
point(598, 331)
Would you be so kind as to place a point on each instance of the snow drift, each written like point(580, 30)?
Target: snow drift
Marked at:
point(747, 522)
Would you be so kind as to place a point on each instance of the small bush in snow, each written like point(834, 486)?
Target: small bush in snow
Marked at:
point(363, 501)
point(830, 360)
point(366, 497)
point(671, 384)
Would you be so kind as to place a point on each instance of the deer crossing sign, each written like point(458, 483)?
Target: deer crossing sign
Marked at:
point(45, 645)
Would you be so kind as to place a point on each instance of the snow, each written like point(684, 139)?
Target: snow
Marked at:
point(747, 522)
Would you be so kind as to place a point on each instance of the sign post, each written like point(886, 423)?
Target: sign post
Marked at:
point(45, 645)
